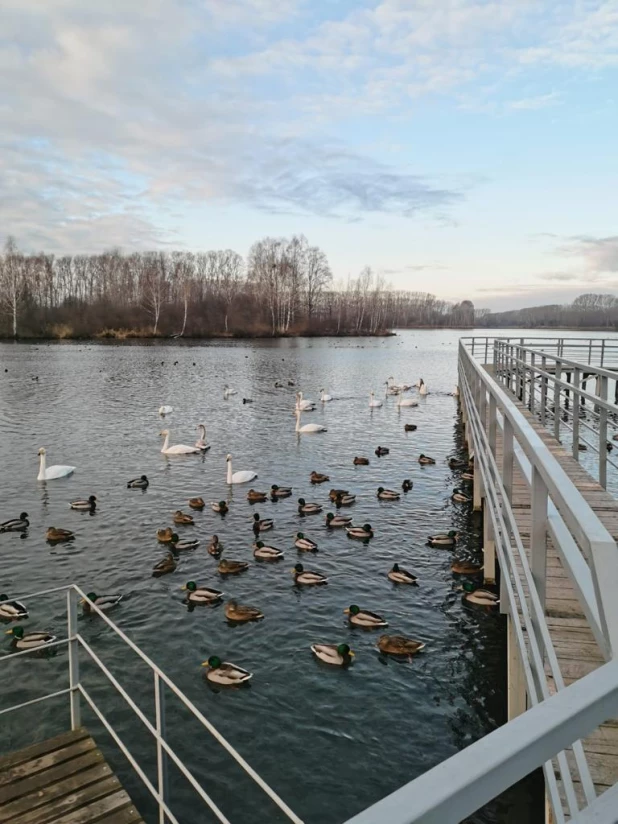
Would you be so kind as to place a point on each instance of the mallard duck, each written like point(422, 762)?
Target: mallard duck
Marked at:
point(399, 645)
point(266, 553)
point(457, 463)
point(88, 504)
point(345, 500)
point(138, 483)
point(388, 494)
point(164, 566)
point(443, 538)
point(466, 568)
point(382, 450)
point(407, 485)
point(240, 614)
point(103, 602)
point(201, 595)
point(181, 518)
point(460, 497)
point(31, 640)
point(225, 674)
point(318, 478)
point(304, 544)
point(227, 567)
point(55, 535)
point(337, 493)
point(409, 427)
point(12, 609)
point(401, 576)
point(304, 577)
point(333, 520)
point(479, 597)
point(220, 507)
point(308, 509)
point(165, 536)
point(364, 618)
point(338, 655)
point(425, 460)
point(196, 503)
point(188, 543)
point(253, 496)
point(280, 491)
point(362, 532)
point(215, 547)
point(262, 524)
point(467, 476)
point(16, 524)
point(361, 461)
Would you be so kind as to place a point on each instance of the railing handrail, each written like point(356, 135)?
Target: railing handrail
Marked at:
point(612, 374)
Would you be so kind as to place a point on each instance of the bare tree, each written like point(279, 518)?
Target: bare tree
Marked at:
point(154, 286)
point(12, 281)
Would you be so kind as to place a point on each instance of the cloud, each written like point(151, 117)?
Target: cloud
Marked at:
point(560, 276)
point(598, 255)
point(541, 101)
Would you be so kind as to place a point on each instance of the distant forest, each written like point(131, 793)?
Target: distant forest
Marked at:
point(589, 311)
point(284, 287)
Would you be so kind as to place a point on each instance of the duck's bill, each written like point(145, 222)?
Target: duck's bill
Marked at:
point(183, 587)
point(204, 664)
point(82, 601)
point(9, 632)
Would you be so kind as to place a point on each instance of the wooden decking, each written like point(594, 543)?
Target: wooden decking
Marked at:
point(576, 649)
point(64, 780)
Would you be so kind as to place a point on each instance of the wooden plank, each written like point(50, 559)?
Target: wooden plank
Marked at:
point(49, 776)
point(97, 809)
point(127, 816)
point(43, 762)
point(49, 813)
point(41, 748)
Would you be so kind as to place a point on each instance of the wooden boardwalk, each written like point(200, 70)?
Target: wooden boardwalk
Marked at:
point(64, 780)
point(576, 649)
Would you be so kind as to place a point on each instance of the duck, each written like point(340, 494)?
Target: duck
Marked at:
point(467, 476)
point(443, 538)
point(324, 397)
point(303, 577)
point(338, 655)
point(12, 609)
point(102, 602)
point(262, 524)
point(362, 532)
point(466, 568)
point(360, 461)
point(266, 553)
point(165, 535)
point(318, 478)
point(227, 392)
point(305, 544)
point(334, 521)
point(382, 450)
point(215, 547)
point(196, 503)
point(407, 485)
point(280, 491)
point(138, 483)
point(88, 504)
point(373, 403)
point(247, 400)
point(401, 576)
point(20, 524)
point(201, 443)
point(460, 497)
point(164, 566)
point(221, 507)
point(181, 518)
point(226, 567)
point(240, 614)
point(337, 493)
point(181, 546)
point(345, 500)
point(201, 595)
point(387, 494)
point(51, 473)
point(30, 640)
point(457, 463)
point(255, 497)
point(363, 618)
point(55, 535)
point(166, 410)
point(243, 476)
point(479, 597)
point(410, 427)
point(399, 645)
point(177, 449)
point(305, 508)
point(308, 428)
point(225, 674)
point(425, 460)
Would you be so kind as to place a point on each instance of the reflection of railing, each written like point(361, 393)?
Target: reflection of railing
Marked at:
point(78, 693)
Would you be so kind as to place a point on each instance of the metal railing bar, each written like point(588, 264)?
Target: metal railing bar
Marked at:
point(58, 643)
point(601, 811)
point(612, 374)
point(47, 697)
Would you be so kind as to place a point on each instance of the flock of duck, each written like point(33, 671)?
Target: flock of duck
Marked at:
point(226, 673)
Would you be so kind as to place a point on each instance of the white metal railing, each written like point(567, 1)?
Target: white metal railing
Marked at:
point(78, 694)
point(593, 351)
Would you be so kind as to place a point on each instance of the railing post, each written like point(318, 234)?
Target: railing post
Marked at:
point(161, 754)
point(76, 715)
point(602, 352)
point(507, 458)
point(557, 380)
point(532, 382)
point(538, 533)
point(576, 384)
point(543, 390)
point(493, 423)
point(603, 433)
point(489, 548)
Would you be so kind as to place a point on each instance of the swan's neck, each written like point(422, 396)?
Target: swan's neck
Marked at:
point(202, 429)
point(166, 443)
point(229, 471)
point(41, 475)
point(298, 420)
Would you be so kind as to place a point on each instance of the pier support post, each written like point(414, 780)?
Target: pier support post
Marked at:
point(489, 548)
point(516, 686)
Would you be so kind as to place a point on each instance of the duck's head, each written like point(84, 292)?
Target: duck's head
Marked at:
point(274, 487)
point(468, 586)
point(345, 651)
point(214, 539)
point(380, 489)
point(222, 505)
point(300, 535)
point(298, 568)
point(16, 632)
point(395, 568)
point(92, 499)
point(23, 516)
point(330, 516)
point(260, 544)
point(190, 586)
point(301, 501)
point(452, 534)
point(367, 527)
point(143, 478)
point(256, 516)
point(456, 492)
point(214, 662)
point(175, 538)
point(4, 597)
point(352, 610)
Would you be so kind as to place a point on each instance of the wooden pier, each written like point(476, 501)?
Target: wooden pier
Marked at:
point(63, 780)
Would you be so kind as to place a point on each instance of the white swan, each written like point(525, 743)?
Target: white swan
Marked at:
point(304, 405)
point(53, 472)
point(373, 403)
point(422, 388)
point(202, 443)
point(308, 427)
point(227, 391)
point(241, 477)
point(324, 397)
point(406, 402)
point(456, 392)
point(166, 410)
point(391, 389)
point(178, 449)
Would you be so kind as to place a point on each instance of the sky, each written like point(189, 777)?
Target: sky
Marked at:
point(467, 148)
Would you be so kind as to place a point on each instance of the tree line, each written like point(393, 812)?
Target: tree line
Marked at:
point(284, 287)
point(588, 311)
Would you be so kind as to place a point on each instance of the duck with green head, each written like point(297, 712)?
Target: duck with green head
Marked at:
point(337, 655)
point(401, 576)
point(305, 544)
point(305, 508)
point(303, 577)
point(443, 538)
point(362, 533)
point(363, 618)
point(280, 491)
point(102, 602)
point(221, 507)
point(201, 595)
point(187, 543)
point(262, 524)
point(479, 597)
point(267, 553)
point(12, 610)
point(333, 521)
point(225, 674)
point(30, 640)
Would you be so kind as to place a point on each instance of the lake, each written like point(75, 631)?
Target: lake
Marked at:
point(329, 741)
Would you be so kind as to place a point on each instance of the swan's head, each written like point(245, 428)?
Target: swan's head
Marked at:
point(228, 457)
point(164, 432)
point(42, 451)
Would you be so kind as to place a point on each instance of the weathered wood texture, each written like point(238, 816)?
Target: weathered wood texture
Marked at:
point(63, 780)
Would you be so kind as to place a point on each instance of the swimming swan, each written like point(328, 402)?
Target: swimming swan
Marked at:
point(304, 405)
point(406, 402)
point(241, 477)
point(308, 428)
point(201, 443)
point(324, 397)
point(373, 403)
point(52, 472)
point(178, 449)
point(166, 410)
point(227, 391)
